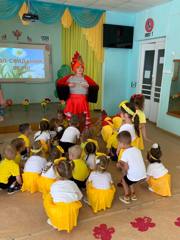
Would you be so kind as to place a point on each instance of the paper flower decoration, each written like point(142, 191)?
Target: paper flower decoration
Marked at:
point(177, 222)
point(9, 102)
point(143, 223)
point(17, 33)
point(103, 232)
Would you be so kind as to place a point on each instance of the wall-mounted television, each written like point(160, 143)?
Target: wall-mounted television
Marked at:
point(117, 36)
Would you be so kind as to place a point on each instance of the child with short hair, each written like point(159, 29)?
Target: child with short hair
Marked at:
point(10, 178)
point(71, 134)
point(25, 130)
point(100, 187)
point(133, 167)
point(43, 135)
point(138, 101)
point(19, 146)
point(62, 118)
point(48, 175)
point(33, 168)
point(80, 171)
point(62, 204)
point(158, 178)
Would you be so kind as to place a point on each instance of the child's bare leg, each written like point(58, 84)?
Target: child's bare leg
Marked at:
point(133, 195)
point(125, 187)
point(132, 190)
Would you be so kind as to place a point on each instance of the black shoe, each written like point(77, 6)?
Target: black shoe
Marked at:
point(14, 189)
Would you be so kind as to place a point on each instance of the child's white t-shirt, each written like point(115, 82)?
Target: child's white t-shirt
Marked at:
point(50, 173)
point(130, 128)
point(90, 160)
point(71, 134)
point(65, 191)
point(100, 180)
point(45, 136)
point(156, 170)
point(35, 164)
point(133, 157)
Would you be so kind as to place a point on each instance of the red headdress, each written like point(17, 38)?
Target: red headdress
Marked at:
point(76, 61)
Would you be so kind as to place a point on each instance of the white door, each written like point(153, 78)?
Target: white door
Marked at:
point(151, 70)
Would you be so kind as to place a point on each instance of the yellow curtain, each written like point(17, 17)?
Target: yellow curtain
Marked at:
point(66, 19)
point(24, 9)
point(73, 40)
point(94, 37)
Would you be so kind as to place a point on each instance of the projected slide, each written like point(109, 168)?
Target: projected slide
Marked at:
point(22, 63)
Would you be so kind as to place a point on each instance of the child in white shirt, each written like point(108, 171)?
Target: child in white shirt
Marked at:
point(48, 175)
point(133, 166)
point(158, 178)
point(71, 134)
point(33, 168)
point(100, 188)
point(62, 204)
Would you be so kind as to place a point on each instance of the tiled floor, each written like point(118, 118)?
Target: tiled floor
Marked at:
point(22, 215)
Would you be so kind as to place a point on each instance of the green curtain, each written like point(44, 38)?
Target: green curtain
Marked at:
point(74, 40)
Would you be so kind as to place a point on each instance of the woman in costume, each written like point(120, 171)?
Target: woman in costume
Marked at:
point(77, 90)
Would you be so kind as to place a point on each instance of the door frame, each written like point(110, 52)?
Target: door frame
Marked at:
point(141, 60)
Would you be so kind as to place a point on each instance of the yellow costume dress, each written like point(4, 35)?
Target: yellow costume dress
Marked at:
point(117, 122)
point(161, 186)
point(62, 215)
point(107, 129)
point(44, 184)
point(30, 182)
point(142, 120)
point(100, 199)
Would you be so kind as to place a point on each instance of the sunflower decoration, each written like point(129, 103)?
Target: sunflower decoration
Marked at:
point(44, 105)
point(25, 104)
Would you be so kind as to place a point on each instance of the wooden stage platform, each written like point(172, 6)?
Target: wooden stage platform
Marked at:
point(17, 115)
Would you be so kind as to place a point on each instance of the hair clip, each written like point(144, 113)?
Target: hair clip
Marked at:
point(97, 161)
point(155, 145)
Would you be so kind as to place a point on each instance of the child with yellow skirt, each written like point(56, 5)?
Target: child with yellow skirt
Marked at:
point(33, 168)
point(100, 188)
point(130, 124)
point(62, 204)
point(158, 178)
point(138, 101)
point(107, 129)
point(48, 175)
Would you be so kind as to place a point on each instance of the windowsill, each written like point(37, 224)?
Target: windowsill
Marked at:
point(174, 114)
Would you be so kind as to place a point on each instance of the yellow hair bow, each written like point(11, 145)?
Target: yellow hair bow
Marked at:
point(60, 149)
point(56, 161)
point(93, 141)
point(127, 109)
point(98, 154)
point(36, 150)
point(45, 119)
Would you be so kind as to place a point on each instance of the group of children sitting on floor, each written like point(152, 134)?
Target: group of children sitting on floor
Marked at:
point(64, 165)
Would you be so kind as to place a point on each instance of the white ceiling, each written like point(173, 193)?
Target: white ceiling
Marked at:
point(114, 5)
